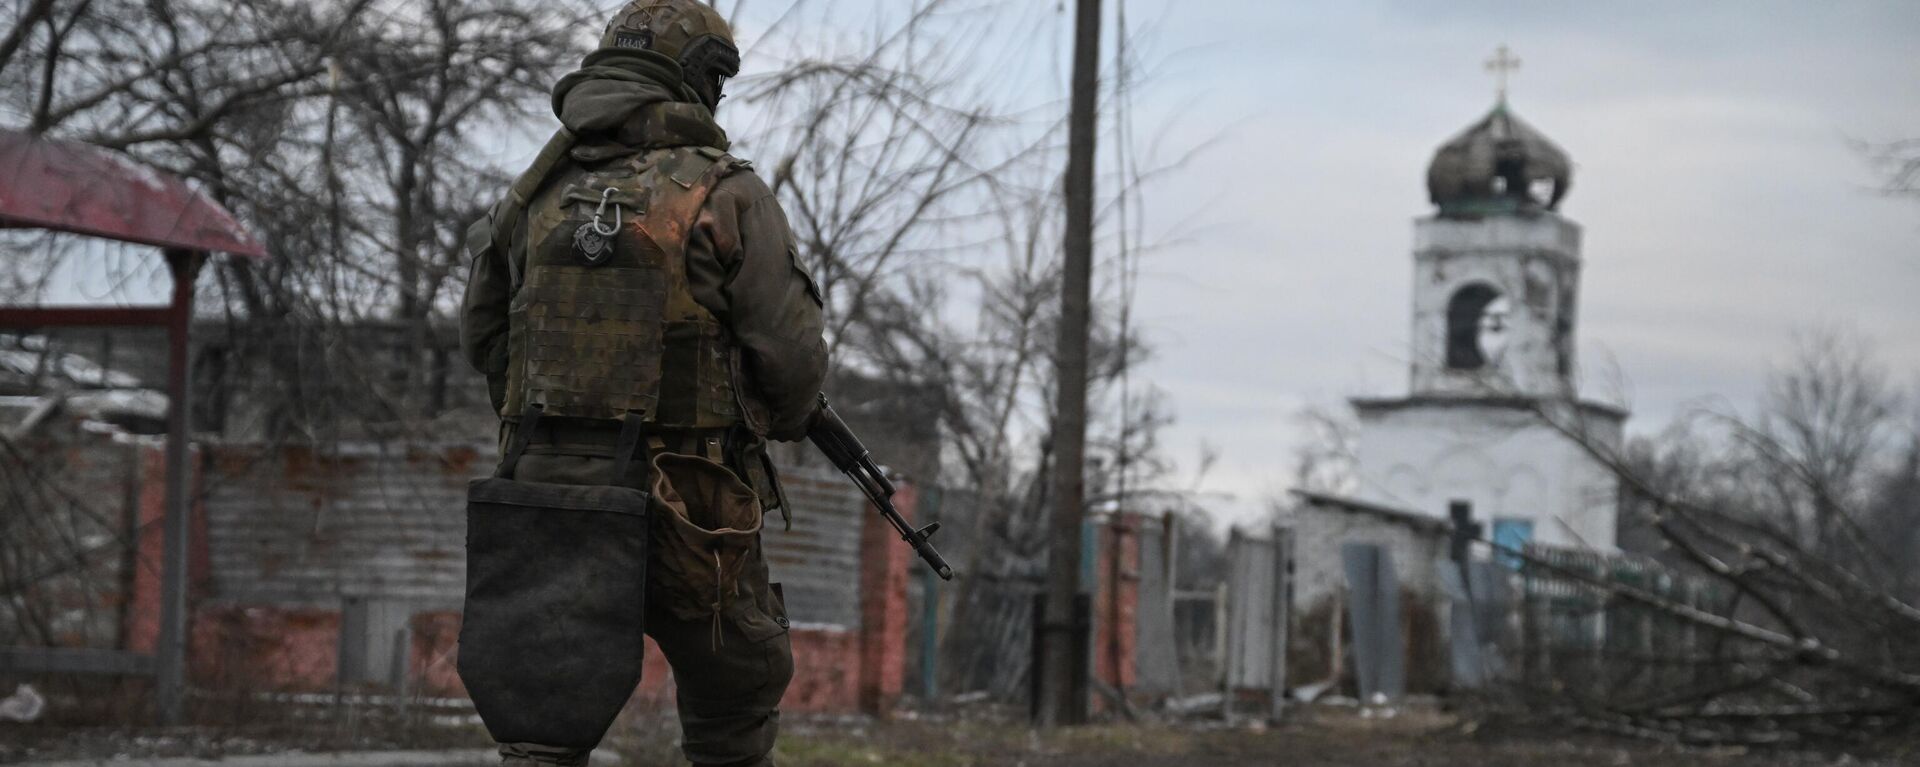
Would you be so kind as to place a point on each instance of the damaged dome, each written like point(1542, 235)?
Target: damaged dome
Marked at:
point(1498, 165)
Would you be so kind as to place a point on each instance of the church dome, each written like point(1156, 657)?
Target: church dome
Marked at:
point(1498, 165)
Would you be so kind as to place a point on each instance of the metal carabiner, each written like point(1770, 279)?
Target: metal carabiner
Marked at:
point(606, 197)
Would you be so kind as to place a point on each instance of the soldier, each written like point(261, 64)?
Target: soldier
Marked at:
point(639, 288)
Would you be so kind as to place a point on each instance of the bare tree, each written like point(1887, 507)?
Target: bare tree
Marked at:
point(1829, 420)
point(1899, 165)
point(1327, 459)
point(925, 200)
point(1778, 509)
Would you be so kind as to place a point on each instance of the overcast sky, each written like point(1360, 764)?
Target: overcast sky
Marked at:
point(1723, 206)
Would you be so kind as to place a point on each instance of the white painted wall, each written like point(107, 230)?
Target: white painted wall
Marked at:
point(1319, 568)
point(1502, 458)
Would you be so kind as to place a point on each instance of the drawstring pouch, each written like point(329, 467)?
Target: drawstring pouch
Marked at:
point(709, 522)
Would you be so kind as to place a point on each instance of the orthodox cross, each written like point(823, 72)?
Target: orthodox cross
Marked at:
point(1501, 65)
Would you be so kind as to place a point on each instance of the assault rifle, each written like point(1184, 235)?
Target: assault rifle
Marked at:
point(832, 436)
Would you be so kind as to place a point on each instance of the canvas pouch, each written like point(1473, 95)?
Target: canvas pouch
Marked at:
point(708, 524)
point(551, 640)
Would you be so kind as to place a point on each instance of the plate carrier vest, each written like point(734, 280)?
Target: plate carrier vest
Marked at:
point(603, 325)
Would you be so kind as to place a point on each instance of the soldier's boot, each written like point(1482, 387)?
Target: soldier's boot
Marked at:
point(535, 755)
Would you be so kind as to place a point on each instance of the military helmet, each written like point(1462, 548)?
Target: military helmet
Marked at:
point(689, 32)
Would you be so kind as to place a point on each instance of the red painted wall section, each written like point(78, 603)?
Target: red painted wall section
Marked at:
point(884, 560)
point(434, 650)
point(826, 672)
point(143, 608)
point(265, 649)
point(1117, 603)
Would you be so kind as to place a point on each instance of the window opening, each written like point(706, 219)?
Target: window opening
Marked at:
point(1469, 318)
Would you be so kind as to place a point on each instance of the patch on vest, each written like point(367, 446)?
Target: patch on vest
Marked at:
point(591, 246)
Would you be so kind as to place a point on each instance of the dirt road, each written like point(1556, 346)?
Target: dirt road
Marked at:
point(1322, 737)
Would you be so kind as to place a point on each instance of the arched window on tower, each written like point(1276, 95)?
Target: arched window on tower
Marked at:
point(1476, 326)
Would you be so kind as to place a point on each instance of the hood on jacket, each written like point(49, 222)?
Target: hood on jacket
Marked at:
point(621, 101)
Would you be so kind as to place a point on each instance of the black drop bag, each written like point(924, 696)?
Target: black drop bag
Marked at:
point(550, 647)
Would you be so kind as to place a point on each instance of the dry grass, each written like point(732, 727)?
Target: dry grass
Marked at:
point(1329, 737)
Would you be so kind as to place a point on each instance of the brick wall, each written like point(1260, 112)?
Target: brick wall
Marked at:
point(883, 607)
point(1116, 601)
point(265, 648)
point(142, 632)
point(284, 539)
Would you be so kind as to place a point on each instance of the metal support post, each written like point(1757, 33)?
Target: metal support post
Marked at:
point(171, 663)
point(1282, 621)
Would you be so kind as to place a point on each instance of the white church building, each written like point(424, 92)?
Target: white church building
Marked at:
point(1492, 424)
point(1489, 417)
point(1491, 427)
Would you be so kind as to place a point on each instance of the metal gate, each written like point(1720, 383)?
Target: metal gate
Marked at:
point(1157, 650)
point(1258, 607)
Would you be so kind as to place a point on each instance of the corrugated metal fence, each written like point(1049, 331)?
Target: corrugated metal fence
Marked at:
point(298, 527)
point(378, 531)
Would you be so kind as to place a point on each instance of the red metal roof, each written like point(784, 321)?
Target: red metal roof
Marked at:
point(75, 187)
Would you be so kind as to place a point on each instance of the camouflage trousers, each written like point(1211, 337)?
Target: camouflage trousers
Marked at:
point(729, 674)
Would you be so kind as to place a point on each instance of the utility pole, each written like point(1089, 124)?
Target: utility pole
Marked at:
point(1061, 701)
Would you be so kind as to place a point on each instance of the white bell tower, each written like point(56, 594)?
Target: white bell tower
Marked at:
point(1493, 305)
point(1496, 285)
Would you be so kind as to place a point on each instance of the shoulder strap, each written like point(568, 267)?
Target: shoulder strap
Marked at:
point(507, 213)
